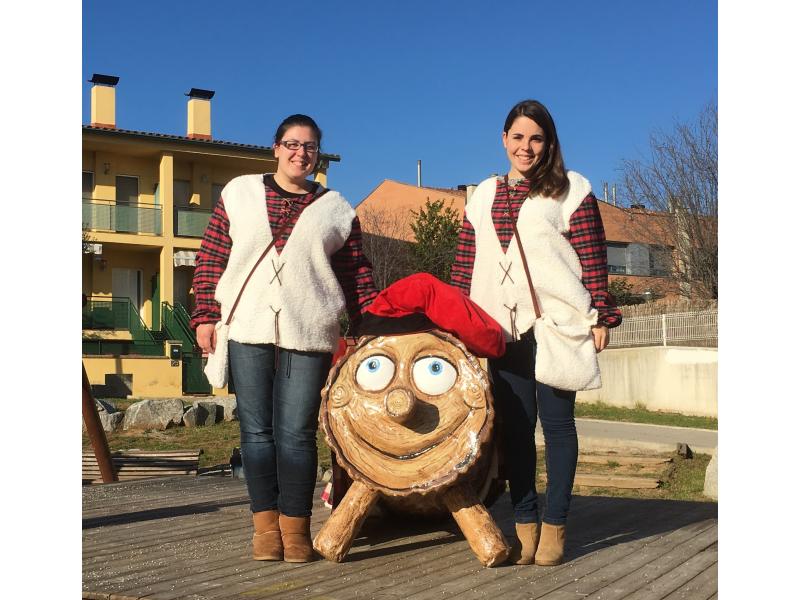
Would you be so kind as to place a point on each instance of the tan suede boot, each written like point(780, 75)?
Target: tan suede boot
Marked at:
point(267, 543)
point(523, 548)
point(551, 545)
point(296, 536)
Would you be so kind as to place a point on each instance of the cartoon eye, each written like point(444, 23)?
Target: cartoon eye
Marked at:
point(374, 373)
point(434, 375)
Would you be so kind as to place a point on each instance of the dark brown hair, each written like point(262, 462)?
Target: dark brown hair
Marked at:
point(301, 121)
point(549, 177)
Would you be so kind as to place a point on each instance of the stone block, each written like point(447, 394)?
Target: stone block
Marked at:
point(205, 413)
point(112, 421)
point(229, 411)
point(153, 414)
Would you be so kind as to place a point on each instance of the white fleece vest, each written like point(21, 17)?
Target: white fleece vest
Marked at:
point(499, 284)
point(298, 285)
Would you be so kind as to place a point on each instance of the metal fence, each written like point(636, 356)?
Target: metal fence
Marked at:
point(697, 328)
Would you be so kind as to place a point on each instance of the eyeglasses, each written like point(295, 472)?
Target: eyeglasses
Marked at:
point(311, 147)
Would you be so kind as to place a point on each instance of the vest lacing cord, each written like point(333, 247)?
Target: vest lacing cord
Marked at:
point(277, 334)
point(512, 316)
point(506, 273)
point(277, 270)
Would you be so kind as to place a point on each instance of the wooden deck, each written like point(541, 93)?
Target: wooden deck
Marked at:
point(189, 538)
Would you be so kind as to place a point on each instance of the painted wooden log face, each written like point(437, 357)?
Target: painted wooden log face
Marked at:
point(410, 418)
point(407, 414)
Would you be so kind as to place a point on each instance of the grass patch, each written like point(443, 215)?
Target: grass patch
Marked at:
point(640, 415)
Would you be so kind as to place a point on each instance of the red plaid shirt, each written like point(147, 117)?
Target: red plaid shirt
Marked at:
point(586, 234)
point(350, 265)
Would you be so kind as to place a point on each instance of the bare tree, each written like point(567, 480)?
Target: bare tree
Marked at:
point(679, 180)
point(384, 231)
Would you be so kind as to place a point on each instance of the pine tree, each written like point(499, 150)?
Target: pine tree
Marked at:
point(436, 229)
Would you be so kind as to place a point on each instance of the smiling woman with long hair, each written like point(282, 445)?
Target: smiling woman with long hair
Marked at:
point(285, 328)
point(555, 217)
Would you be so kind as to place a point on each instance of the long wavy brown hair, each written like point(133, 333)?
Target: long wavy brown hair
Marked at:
point(549, 177)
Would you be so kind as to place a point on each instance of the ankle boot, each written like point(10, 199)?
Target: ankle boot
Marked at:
point(551, 545)
point(267, 543)
point(523, 548)
point(296, 536)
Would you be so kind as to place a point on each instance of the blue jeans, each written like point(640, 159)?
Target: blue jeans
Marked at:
point(278, 411)
point(518, 398)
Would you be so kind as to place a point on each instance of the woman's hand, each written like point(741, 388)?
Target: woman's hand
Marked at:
point(207, 337)
point(601, 337)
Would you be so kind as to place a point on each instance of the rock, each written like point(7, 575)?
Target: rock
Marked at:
point(206, 413)
point(106, 410)
point(104, 406)
point(710, 487)
point(112, 421)
point(190, 417)
point(228, 405)
point(684, 450)
point(154, 414)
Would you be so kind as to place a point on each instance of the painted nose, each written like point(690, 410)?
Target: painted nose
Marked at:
point(399, 404)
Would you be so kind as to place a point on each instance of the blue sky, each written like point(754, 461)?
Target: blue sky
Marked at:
point(396, 81)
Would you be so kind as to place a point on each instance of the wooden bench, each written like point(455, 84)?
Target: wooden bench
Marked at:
point(618, 474)
point(139, 464)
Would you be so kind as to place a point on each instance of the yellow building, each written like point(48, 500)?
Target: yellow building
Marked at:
point(147, 198)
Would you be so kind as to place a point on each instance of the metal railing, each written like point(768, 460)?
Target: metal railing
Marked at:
point(664, 330)
point(122, 347)
point(118, 314)
point(191, 222)
point(175, 321)
point(123, 218)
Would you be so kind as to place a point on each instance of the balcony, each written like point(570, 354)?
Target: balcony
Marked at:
point(105, 215)
point(191, 222)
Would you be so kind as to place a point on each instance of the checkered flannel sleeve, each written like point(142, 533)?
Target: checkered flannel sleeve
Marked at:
point(461, 271)
point(588, 238)
point(210, 264)
point(354, 273)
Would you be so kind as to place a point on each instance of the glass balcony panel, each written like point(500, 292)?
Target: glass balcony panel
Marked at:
point(123, 218)
point(191, 222)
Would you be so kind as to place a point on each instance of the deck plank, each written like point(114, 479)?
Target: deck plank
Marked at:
point(701, 587)
point(674, 579)
point(189, 538)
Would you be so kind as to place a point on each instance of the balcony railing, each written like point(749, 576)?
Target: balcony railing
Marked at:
point(118, 314)
point(191, 222)
point(123, 218)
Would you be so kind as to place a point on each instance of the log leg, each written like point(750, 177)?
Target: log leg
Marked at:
point(477, 525)
point(337, 534)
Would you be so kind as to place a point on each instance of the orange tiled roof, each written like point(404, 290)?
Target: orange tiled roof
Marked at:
point(395, 201)
point(386, 211)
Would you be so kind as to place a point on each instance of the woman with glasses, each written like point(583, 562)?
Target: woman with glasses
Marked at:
point(285, 327)
point(555, 219)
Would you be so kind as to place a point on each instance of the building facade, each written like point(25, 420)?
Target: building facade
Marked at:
point(147, 199)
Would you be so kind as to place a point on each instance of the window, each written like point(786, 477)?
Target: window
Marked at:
point(660, 261)
point(617, 258)
point(88, 184)
point(216, 192)
point(127, 189)
point(181, 192)
point(639, 259)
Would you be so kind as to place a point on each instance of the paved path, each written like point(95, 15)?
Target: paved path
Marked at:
point(596, 435)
